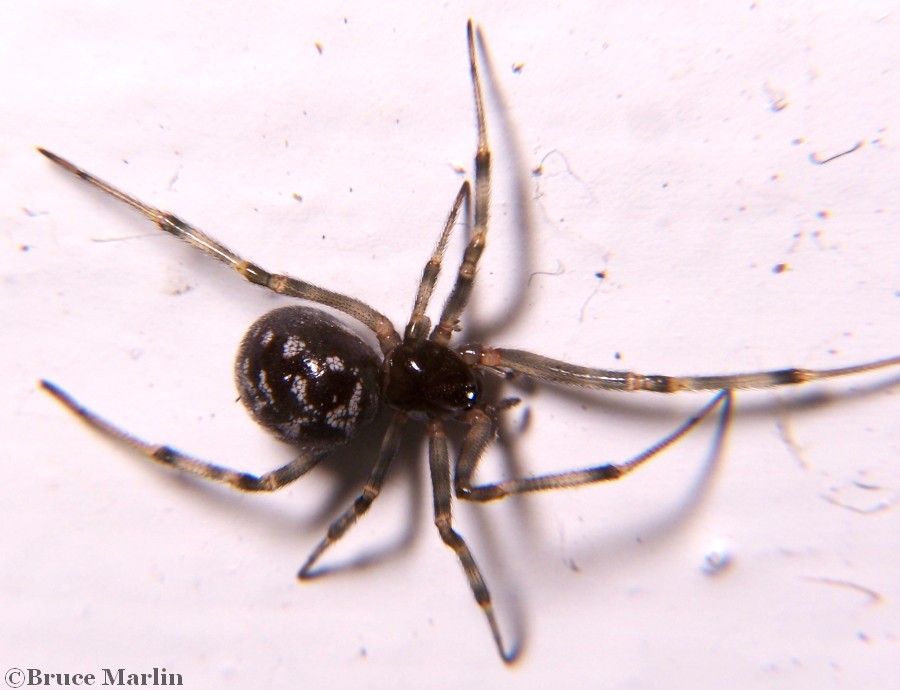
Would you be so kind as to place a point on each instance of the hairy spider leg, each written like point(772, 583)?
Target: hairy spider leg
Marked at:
point(439, 462)
point(438, 452)
point(377, 322)
point(555, 371)
point(483, 425)
point(418, 325)
point(166, 455)
point(459, 296)
point(372, 488)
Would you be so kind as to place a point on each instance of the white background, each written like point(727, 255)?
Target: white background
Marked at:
point(662, 164)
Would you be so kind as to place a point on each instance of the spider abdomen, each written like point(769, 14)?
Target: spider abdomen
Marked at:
point(428, 380)
point(306, 378)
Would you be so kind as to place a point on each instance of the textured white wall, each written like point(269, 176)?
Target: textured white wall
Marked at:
point(664, 165)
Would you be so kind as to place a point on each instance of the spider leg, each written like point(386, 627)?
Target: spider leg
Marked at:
point(418, 323)
point(483, 425)
point(555, 371)
point(282, 284)
point(439, 461)
point(459, 296)
point(370, 492)
point(483, 428)
point(165, 455)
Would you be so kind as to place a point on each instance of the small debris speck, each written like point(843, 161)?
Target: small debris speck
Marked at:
point(816, 159)
point(717, 558)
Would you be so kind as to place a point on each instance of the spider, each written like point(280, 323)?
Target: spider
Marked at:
point(314, 384)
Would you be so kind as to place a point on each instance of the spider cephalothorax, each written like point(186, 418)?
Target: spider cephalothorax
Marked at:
point(427, 380)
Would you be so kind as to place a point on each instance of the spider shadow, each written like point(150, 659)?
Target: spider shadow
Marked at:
point(347, 469)
point(608, 407)
point(409, 466)
point(819, 397)
point(511, 455)
point(664, 525)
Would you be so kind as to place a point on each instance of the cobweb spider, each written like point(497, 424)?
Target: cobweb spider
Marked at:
point(314, 384)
